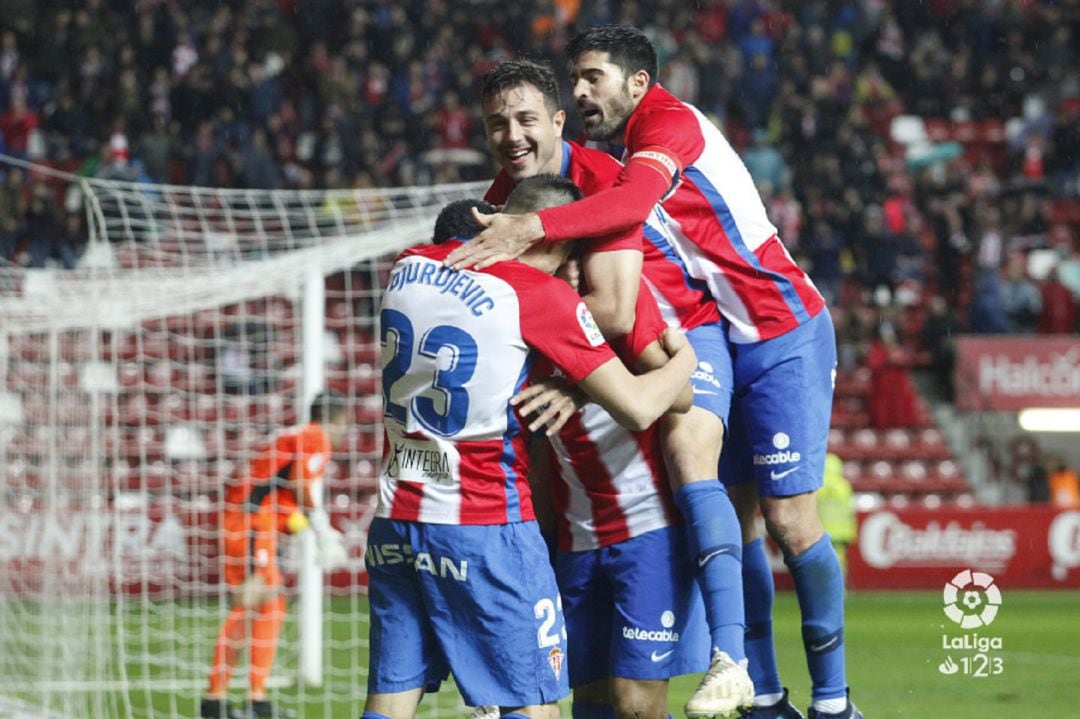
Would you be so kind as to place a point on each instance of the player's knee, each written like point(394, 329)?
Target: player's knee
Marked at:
point(792, 522)
point(636, 699)
point(691, 445)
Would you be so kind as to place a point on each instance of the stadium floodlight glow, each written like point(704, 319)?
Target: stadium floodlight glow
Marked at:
point(1050, 419)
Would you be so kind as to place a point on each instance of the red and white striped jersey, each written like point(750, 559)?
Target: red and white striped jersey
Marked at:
point(456, 346)
point(608, 483)
point(718, 224)
point(714, 224)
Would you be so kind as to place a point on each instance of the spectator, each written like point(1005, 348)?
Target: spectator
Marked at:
point(1036, 480)
point(16, 125)
point(204, 157)
point(1068, 268)
point(987, 315)
point(764, 161)
point(157, 148)
point(938, 334)
point(42, 228)
point(64, 245)
point(67, 128)
point(453, 124)
point(1064, 484)
point(119, 164)
point(12, 212)
point(257, 166)
point(1059, 310)
point(824, 248)
point(1020, 298)
point(892, 394)
point(882, 250)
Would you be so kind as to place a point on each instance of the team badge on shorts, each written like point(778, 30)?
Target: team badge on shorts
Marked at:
point(555, 659)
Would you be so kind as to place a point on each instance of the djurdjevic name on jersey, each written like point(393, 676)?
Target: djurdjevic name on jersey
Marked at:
point(456, 346)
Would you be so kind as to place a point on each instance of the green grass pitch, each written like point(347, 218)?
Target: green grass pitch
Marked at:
point(894, 647)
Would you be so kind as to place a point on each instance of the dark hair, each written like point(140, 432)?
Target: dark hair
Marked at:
point(326, 406)
point(626, 46)
point(515, 73)
point(539, 192)
point(456, 220)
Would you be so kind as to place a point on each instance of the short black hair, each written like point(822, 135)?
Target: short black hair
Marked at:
point(626, 46)
point(539, 192)
point(515, 73)
point(326, 406)
point(456, 220)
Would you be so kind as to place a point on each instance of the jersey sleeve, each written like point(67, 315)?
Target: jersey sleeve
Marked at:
point(557, 323)
point(312, 453)
point(621, 208)
point(594, 171)
point(648, 326)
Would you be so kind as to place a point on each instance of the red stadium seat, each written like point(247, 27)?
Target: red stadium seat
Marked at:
point(838, 442)
point(897, 445)
point(938, 130)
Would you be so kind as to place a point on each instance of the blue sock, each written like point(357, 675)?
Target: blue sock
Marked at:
point(588, 710)
point(716, 542)
point(514, 715)
point(758, 594)
point(373, 715)
point(819, 584)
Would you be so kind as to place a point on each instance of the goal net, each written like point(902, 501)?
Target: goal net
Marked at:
point(199, 323)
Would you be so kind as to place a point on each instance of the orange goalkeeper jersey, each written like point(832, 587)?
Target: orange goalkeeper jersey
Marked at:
point(296, 458)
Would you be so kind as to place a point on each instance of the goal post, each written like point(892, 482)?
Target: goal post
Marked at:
point(200, 322)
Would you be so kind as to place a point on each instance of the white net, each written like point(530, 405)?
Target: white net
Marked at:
point(134, 386)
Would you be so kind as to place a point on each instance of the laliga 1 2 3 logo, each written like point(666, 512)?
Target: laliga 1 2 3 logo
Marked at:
point(972, 599)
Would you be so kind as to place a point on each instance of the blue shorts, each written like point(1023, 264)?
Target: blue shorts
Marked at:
point(780, 412)
point(633, 609)
point(712, 379)
point(478, 601)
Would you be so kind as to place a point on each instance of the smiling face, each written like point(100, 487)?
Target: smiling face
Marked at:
point(604, 95)
point(525, 137)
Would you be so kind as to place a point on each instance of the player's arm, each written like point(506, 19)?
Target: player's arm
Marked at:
point(654, 356)
point(540, 484)
point(635, 401)
point(613, 279)
point(329, 541)
point(554, 401)
point(640, 185)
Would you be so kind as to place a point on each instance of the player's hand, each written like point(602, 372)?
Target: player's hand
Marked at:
point(252, 592)
point(505, 238)
point(673, 341)
point(553, 401)
point(331, 551)
point(329, 542)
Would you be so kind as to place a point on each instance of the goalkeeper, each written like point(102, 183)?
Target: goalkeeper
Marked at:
point(281, 492)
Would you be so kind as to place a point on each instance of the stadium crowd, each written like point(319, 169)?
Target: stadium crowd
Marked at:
point(361, 93)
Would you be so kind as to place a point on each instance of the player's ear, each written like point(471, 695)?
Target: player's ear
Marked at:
point(559, 119)
point(639, 83)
